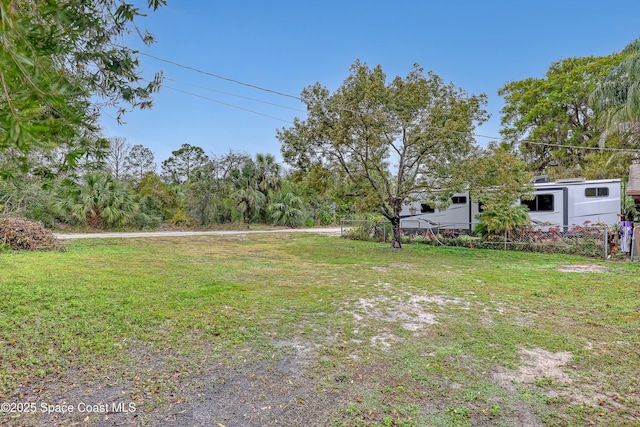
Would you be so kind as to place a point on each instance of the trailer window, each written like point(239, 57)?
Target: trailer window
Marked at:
point(596, 192)
point(426, 208)
point(542, 202)
point(459, 200)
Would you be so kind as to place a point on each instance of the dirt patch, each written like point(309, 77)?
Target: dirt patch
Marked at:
point(538, 363)
point(394, 266)
point(255, 394)
point(413, 311)
point(535, 364)
point(583, 268)
point(72, 398)
point(227, 391)
point(402, 266)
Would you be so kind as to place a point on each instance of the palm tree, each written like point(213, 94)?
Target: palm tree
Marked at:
point(249, 201)
point(503, 217)
point(97, 200)
point(255, 183)
point(267, 173)
point(287, 210)
point(617, 97)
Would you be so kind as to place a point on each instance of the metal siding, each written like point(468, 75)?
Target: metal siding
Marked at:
point(594, 209)
point(554, 217)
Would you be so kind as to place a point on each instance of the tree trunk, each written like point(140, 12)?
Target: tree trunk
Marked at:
point(94, 219)
point(396, 233)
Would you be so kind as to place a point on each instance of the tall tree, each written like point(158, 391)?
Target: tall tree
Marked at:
point(60, 62)
point(162, 196)
point(267, 173)
point(248, 197)
point(140, 161)
point(183, 162)
point(267, 179)
point(207, 196)
point(226, 165)
point(392, 140)
point(547, 117)
point(118, 154)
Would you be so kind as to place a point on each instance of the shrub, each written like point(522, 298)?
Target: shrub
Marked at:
point(98, 200)
point(367, 230)
point(287, 210)
point(22, 234)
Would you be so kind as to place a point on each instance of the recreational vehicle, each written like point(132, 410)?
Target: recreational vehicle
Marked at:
point(565, 202)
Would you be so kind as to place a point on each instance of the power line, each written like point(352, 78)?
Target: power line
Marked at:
point(300, 99)
point(187, 67)
point(236, 95)
point(227, 104)
point(526, 141)
point(548, 144)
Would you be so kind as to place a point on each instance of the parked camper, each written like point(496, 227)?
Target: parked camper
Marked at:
point(462, 213)
point(564, 202)
point(577, 201)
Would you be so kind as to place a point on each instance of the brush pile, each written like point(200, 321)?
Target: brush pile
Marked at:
point(21, 234)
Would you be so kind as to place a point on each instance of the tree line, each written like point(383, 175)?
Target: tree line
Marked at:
point(116, 184)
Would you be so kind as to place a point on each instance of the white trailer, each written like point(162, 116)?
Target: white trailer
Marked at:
point(462, 213)
point(565, 202)
point(569, 202)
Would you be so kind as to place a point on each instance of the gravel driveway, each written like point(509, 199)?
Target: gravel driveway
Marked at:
point(124, 235)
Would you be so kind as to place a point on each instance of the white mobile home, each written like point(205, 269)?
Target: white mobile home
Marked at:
point(564, 203)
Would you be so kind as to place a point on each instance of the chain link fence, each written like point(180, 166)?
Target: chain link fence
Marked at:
point(366, 230)
point(591, 241)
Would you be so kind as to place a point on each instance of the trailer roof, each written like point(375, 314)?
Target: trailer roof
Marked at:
point(576, 181)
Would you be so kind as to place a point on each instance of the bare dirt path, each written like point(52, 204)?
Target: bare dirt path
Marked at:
point(125, 235)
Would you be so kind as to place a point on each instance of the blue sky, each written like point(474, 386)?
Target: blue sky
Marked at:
point(287, 45)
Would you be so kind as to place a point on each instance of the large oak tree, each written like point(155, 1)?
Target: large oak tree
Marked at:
point(393, 140)
point(550, 119)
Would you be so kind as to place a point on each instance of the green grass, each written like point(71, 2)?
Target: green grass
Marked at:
point(418, 337)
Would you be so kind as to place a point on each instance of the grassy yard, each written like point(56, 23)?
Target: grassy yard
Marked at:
point(306, 330)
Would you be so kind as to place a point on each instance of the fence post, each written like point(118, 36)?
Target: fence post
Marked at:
point(384, 231)
point(605, 243)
